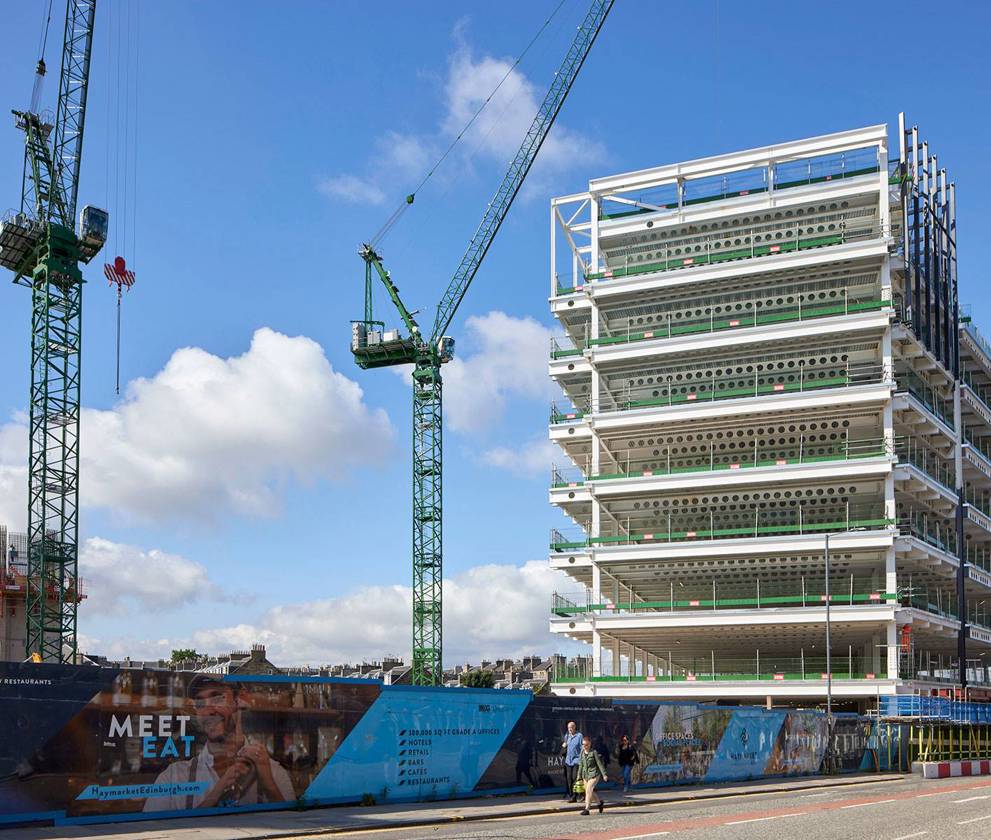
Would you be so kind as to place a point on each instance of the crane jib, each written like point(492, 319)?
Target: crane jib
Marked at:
point(373, 346)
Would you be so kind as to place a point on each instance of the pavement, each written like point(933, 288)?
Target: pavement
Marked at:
point(473, 817)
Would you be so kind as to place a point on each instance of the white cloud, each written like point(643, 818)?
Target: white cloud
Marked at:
point(494, 137)
point(208, 436)
point(508, 359)
point(14, 474)
point(530, 460)
point(501, 126)
point(491, 610)
point(353, 189)
point(403, 154)
point(119, 579)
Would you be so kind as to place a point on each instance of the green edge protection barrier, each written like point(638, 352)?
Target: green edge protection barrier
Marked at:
point(708, 603)
point(776, 462)
point(770, 676)
point(782, 316)
point(724, 256)
point(709, 259)
point(711, 396)
point(766, 530)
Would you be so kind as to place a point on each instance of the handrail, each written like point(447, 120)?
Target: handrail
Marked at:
point(710, 667)
point(975, 443)
point(981, 392)
point(929, 528)
point(979, 500)
point(706, 255)
point(804, 452)
point(793, 234)
point(927, 394)
point(858, 516)
point(910, 451)
point(715, 597)
point(715, 388)
point(779, 174)
point(754, 316)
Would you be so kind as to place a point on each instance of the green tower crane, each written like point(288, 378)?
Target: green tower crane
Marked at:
point(373, 347)
point(43, 247)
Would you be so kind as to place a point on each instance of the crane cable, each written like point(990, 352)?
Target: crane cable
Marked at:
point(121, 182)
point(39, 72)
point(408, 201)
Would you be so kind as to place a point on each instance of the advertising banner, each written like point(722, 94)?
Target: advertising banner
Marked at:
point(87, 744)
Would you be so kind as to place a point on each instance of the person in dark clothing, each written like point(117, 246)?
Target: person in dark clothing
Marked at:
point(524, 760)
point(627, 756)
point(602, 748)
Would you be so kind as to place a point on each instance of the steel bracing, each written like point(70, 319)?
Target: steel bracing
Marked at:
point(50, 268)
point(427, 523)
point(53, 492)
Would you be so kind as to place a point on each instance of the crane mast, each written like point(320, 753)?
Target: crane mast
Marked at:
point(378, 348)
point(44, 249)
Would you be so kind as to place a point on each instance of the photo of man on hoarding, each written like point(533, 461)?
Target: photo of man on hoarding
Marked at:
point(226, 769)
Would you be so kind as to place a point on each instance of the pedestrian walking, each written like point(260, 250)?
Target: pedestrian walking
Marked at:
point(591, 771)
point(627, 756)
point(571, 749)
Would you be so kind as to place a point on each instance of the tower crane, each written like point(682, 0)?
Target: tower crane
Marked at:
point(43, 247)
point(374, 347)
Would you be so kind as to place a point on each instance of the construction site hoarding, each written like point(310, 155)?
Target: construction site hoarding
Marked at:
point(88, 744)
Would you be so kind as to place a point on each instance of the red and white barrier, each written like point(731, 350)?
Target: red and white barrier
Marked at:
point(946, 769)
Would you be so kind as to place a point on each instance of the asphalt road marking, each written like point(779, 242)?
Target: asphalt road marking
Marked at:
point(865, 804)
point(910, 836)
point(972, 799)
point(976, 819)
point(764, 819)
point(824, 793)
point(958, 787)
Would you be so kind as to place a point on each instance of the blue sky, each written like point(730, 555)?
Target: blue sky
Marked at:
point(248, 490)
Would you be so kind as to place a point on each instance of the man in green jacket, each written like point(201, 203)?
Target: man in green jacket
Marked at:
point(591, 772)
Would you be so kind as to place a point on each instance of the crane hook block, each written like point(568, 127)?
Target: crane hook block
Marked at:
point(410, 197)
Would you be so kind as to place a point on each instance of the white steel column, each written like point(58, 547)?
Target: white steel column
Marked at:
point(596, 653)
point(890, 509)
point(553, 251)
point(593, 209)
point(892, 648)
point(616, 664)
point(596, 583)
point(883, 204)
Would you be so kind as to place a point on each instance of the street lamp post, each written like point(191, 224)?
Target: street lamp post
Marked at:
point(829, 670)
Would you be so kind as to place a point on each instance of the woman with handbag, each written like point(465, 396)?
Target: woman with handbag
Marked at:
point(590, 772)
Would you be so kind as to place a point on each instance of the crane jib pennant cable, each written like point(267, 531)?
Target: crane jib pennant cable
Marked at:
point(118, 274)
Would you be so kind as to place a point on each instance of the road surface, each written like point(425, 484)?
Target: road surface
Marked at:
point(909, 809)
